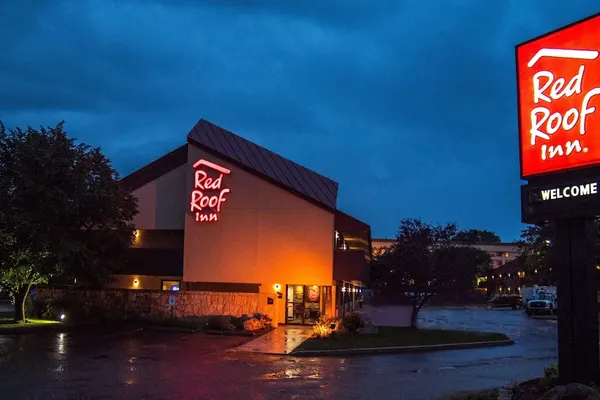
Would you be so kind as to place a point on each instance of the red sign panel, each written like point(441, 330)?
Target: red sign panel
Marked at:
point(559, 92)
point(208, 197)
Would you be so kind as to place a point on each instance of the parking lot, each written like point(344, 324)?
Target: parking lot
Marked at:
point(161, 365)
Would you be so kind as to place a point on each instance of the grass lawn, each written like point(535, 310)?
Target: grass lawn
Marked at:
point(8, 323)
point(481, 395)
point(390, 336)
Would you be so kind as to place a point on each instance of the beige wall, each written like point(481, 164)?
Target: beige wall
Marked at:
point(145, 282)
point(264, 235)
point(162, 202)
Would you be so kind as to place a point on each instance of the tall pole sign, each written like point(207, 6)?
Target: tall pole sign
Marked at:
point(558, 84)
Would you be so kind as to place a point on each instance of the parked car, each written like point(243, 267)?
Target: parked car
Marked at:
point(544, 302)
point(505, 301)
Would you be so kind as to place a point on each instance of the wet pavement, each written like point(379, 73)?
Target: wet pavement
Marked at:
point(161, 365)
point(280, 341)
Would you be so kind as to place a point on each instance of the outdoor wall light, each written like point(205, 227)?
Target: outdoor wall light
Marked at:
point(136, 233)
point(136, 282)
point(277, 287)
point(62, 317)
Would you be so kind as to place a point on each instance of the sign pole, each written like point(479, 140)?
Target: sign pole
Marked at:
point(558, 84)
point(574, 259)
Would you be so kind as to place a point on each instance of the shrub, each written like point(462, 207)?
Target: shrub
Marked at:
point(253, 324)
point(220, 323)
point(238, 322)
point(352, 321)
point(326, 327)
point(43, 310)
point(550, 378)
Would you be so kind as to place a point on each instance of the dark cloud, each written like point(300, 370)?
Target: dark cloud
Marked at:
point(410, 104)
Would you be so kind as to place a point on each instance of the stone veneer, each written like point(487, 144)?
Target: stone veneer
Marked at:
point(155, 304)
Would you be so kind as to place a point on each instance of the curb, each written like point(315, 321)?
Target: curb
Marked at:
point(37, 329)
point(401, 349)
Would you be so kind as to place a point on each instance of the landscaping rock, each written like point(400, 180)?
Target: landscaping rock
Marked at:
point(253, 324)
point(572, 391)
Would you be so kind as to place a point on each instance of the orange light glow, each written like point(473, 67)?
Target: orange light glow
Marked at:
point(559, 81)
point(200, 201)
point(277, 287)
point(136, 282)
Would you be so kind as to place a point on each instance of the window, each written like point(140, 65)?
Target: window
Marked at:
point(170, 286)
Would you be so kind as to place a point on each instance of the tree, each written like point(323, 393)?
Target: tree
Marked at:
point(536, 246)
point(63, 212)
point(423, 261)
point(475, 236)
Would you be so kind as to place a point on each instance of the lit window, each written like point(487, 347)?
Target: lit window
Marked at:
point(171, 286)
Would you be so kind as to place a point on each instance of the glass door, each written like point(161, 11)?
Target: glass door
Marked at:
point(312, 303)
point(295, 310)
point(304, 304)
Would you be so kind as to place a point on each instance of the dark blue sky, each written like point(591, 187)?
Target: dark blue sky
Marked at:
point(410, 105)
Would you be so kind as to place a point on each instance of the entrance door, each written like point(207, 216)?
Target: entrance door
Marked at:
point(303, 304)
point(295, 304)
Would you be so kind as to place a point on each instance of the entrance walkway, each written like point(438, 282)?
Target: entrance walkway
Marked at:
point(282, 340)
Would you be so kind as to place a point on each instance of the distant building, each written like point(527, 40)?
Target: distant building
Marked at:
point(507, 276)
point(507, 279)
point(501, 253)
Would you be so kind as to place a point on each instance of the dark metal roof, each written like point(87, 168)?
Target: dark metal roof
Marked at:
point(156, 169)
point(515, 265)
point(272, 166)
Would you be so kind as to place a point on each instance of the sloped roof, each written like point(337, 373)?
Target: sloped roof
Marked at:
point(268, 164)
point(156, 168)
point(515, 265)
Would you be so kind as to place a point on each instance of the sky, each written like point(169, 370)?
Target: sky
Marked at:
point(409, 104)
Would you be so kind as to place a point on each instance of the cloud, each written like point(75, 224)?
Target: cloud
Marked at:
point(410, 105)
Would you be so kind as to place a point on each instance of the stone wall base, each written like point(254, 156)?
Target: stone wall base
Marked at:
point(146, 304)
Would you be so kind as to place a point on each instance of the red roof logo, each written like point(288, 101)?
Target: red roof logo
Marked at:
point(559, 84)
point(208, 196)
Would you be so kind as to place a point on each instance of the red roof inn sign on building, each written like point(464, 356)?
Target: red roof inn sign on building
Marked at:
point(558, 80)
point(207, 197)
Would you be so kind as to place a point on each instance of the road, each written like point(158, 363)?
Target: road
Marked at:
point(151, 365)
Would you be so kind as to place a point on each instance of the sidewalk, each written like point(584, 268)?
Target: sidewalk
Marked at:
point(282, 340)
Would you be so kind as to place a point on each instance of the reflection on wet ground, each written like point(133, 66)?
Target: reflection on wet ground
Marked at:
point(282, 340)
point(153, 365)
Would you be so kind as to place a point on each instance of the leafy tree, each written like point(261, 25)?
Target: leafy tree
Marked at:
point(536, 246)
point(63, 212)
point(475, 236)
point(424, 261)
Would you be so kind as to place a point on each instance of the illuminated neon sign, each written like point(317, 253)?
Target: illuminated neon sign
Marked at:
point(208, 197)
point(559, 88)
